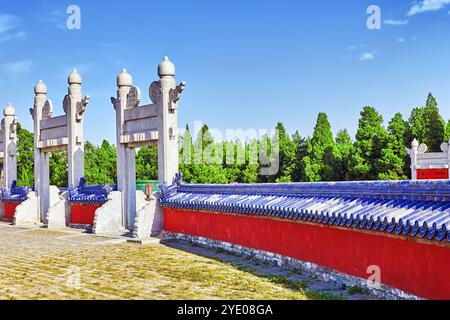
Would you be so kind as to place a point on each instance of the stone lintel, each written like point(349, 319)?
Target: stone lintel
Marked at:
point(51, 144)
point(140, 138)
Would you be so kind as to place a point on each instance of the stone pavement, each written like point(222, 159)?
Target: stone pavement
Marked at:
point(38, 263)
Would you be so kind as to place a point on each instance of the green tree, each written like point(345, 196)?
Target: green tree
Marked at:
point(427, 125)
point(58, 169)
point(208, 157)
point(298, 173)
point(321, 152)
point(447, 132)
point(234, 161)
point(344, 147)
point(393, 164)
point(100, 163)
point(186, 155)
point(436, 124)
point(250, 173)
point(25, 156)
point(286, 154)
point(418, 128)
point(371, 139)
point(147, 163)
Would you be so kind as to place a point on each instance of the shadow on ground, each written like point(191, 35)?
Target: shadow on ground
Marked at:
point(310, 285)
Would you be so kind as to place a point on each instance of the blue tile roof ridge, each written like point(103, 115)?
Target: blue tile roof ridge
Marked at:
point(418, 208)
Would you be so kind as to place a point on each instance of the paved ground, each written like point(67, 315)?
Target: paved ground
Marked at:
point(69, 264)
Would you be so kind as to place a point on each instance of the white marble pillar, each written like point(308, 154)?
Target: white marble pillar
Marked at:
point(40, 99)
point(413, 154)
point(168, 122)
point(9, 132)
point(75, 106)
point(124, 84)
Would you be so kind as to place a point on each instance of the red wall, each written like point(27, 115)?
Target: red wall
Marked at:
point(10, 209)
point(416, 267)
point(83, 214)
point(424, 174)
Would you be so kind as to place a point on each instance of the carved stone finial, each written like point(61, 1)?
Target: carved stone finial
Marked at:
point(422, 148)
point(9, 110)
point(47, 110)
point(81, 107)
point(178, 178)
point(415, 143)
point(13, 130)
point(133, 97)
point(124, 79)
point(175, 95)
point(74, 77)
point(40, 88)
point(155, 91)
point(166, 68)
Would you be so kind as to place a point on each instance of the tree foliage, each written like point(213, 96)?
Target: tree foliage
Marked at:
point(25, 157)
point(375, 153)
point(427, 125)
point(371, 139)
point(447, 132)
point(100, 163)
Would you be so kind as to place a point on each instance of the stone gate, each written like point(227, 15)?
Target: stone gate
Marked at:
point(58, 133)
point(143, 125)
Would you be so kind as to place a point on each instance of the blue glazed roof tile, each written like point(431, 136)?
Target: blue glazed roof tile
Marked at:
point(84, 194)
point(416, 208)
point(15, 193)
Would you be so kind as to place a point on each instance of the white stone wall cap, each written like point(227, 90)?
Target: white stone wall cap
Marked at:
point(166, 68)
point(40, 88)
point(9, 110)
point(74, 77)
point(124, 79)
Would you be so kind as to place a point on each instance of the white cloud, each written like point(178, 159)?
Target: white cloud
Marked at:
point(426, 6)
point(401, 40)
point(367, 56)
point(13, 36)
point(17, 67)
point(396, 22)
point(7, 23)
point(9, 28)
point(57, 18)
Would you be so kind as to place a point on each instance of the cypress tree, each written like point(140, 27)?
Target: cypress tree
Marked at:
point(393, 164)
point(447, 132)
point(344, 147)
point(321, 152)
point(371, 139)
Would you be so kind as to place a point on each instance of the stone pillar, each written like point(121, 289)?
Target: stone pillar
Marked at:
point(44, 191)
point(75, 106)
point(124, 85)
point(9, 132)
point(168, 131)
point(40, 99)
point(130, 183)
point(413, 154)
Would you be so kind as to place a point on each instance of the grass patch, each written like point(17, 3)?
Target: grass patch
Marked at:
point(357, 290)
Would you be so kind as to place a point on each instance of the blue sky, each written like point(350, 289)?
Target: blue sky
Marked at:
point(248, 64)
